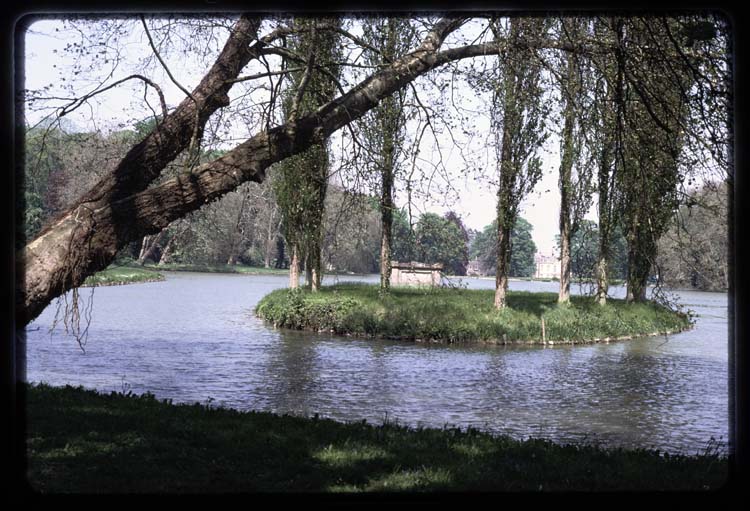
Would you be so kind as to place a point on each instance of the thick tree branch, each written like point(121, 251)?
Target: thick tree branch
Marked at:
point(145, 161)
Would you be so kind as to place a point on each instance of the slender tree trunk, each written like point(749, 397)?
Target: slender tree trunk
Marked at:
point(280, 253)
point(565, 182)
point(146, 245)
point(294, 267)
point(503, 264)
point(153, 242)
point(385, 262)
point(315, 248)
point(238, 234)
point(605, 229)
point(166, 254)
point(564, 293)
point(270, 238)
point(308, 270)
point(386, 219)
point(505, 212)
point(602, 282)
point(316, 270)
point(639, 265)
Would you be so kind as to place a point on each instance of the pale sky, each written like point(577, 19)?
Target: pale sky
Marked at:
point(45, 63)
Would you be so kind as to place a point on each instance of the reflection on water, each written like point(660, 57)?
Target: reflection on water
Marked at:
point(193, 338)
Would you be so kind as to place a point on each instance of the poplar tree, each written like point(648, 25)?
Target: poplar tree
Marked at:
point(384, 128)
point(606, 133)
point(302, 181)
point(518, 123)
point(575, 172)
point(654, 108)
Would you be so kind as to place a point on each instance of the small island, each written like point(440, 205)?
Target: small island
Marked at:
point(454, 315)
point(121, 275)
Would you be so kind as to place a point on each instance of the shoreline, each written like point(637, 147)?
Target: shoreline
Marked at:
point(480, 342)
point(451, 316)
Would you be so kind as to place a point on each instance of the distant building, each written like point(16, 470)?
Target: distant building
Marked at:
point(415, 274)
point(547, 267)
point(474, 268)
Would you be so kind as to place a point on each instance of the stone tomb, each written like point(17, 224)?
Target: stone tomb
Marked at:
point(415, 274)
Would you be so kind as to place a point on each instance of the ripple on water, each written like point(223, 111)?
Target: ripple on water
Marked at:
point(193, 338)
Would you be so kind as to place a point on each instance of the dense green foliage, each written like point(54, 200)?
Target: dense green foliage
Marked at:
point(523, 249)
point(462, 315)
point(301, 183)
point(584, 249)
point(80, 441)
point(441, 240)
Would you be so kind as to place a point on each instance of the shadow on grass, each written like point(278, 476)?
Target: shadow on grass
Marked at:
point(83, 442)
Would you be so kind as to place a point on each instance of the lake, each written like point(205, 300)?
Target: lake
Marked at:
point(194, 338)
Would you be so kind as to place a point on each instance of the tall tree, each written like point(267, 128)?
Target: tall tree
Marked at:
point(652, 143)
point(607, 127)
point(303, 178)
point(384, 127)
point(518, 122)
point(459, 266)
point(574, 179)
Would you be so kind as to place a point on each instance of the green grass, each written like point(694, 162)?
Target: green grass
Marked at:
point(81, 441)
point(462, 315)
point(219, 268)
point(117, 275)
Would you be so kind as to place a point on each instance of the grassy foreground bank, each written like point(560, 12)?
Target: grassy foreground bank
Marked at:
point(83, 441)
point(119, 275)
point(461, 315)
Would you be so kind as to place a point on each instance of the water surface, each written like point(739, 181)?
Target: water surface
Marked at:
point(194, 338)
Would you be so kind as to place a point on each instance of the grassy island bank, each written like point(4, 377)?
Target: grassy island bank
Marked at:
point(463, 315)
point(218, 268)
point(83, 441)
point(119, 275)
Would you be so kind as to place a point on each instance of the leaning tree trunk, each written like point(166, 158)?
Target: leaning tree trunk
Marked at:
point(87, 237)
point(146, 246)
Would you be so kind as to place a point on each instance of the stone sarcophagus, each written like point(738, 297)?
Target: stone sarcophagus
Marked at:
point(415, 274)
